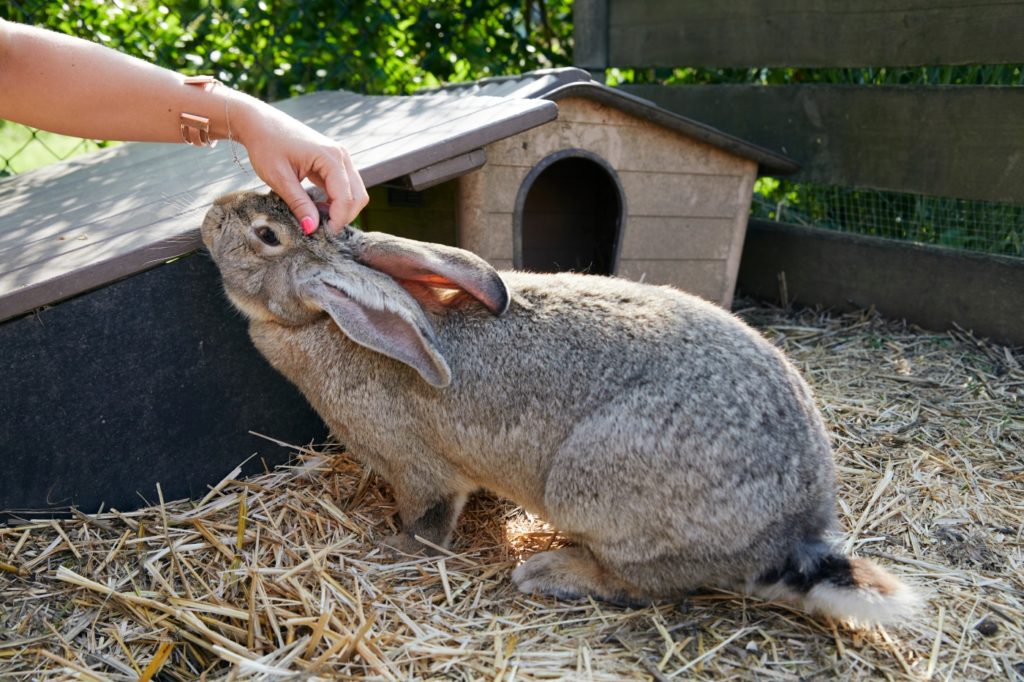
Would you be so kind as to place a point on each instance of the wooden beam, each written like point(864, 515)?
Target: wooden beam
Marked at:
point(590, 34)
point(444, 171)
point(927, 285)
point(958, 141)
point(810, 33)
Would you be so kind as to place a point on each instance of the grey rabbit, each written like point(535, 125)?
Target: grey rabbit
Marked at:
point(669, 441)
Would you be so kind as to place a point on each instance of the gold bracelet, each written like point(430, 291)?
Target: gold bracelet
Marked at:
point(195, 130)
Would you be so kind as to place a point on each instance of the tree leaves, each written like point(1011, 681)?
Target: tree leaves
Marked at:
point(276, 50)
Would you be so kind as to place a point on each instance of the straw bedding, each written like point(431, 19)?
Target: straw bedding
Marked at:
point(278, 576)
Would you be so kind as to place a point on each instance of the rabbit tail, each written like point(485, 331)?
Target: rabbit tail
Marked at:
point(820, 580)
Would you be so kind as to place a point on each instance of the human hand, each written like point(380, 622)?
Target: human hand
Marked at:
point(111, 96)
point(284, 151)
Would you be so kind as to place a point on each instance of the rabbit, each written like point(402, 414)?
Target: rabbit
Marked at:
point(670, 442)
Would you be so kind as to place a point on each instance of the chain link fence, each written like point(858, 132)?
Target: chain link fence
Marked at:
point(23, 148)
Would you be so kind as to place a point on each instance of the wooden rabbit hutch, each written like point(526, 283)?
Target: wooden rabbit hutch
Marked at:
point(614, 186)
point(124, 365)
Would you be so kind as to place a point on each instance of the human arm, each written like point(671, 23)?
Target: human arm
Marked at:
point(74, 87)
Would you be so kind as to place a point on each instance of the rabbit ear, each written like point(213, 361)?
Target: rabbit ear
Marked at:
point(380, 322)
point(433, 265)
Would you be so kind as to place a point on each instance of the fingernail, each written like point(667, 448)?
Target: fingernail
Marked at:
point(308, 225)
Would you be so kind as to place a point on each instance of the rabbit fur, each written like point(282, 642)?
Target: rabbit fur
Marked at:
point(673, 444)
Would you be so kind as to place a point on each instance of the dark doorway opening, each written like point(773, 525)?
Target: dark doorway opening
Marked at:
point(570, 217)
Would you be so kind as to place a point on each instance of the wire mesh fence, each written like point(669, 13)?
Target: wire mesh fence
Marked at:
point(973, 225)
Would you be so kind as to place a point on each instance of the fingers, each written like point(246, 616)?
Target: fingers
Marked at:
point(334, 172)
point(298, 201)
point(346, 192)
point(284, 152)
point(337, 176)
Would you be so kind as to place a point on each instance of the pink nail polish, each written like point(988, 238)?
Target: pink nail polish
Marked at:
point(308, 225)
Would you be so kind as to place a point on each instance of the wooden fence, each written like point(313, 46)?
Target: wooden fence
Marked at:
point(964, 141)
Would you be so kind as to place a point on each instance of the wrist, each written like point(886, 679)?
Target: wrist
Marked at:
point(218, 113)
point(241, 112)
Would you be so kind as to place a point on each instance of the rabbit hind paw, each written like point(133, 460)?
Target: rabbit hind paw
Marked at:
point(571, 574)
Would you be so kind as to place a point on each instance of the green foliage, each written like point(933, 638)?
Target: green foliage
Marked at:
point(999, 74)
point(275, 50)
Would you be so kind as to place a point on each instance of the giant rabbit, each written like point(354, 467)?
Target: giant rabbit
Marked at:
point(674, 445)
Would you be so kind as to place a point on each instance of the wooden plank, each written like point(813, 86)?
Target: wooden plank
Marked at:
point(927, 285)
point(473, 206)
point(683, 194)
point(119, 182)
point(739, 233)
point(139, 205)
point(501, 186)
point(446, 170)
point(691, 242)
point(652, 238)
point(125, 224)
point(590, 34)
point(810, 33)
point(500, 263)
point(124, 198)
point(699, 277)
point(962, 141)
point(496, 239)
point(625, 141)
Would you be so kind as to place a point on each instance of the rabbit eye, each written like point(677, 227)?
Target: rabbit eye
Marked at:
point(267, 236)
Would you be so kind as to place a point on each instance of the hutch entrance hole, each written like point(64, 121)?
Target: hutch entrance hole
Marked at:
point(569, 215)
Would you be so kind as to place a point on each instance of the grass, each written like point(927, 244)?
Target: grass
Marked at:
point(23, 149)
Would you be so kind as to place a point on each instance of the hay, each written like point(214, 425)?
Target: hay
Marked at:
point(278, 576)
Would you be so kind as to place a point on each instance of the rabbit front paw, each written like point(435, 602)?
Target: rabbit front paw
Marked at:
point(402, 545)
point(572, 573)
